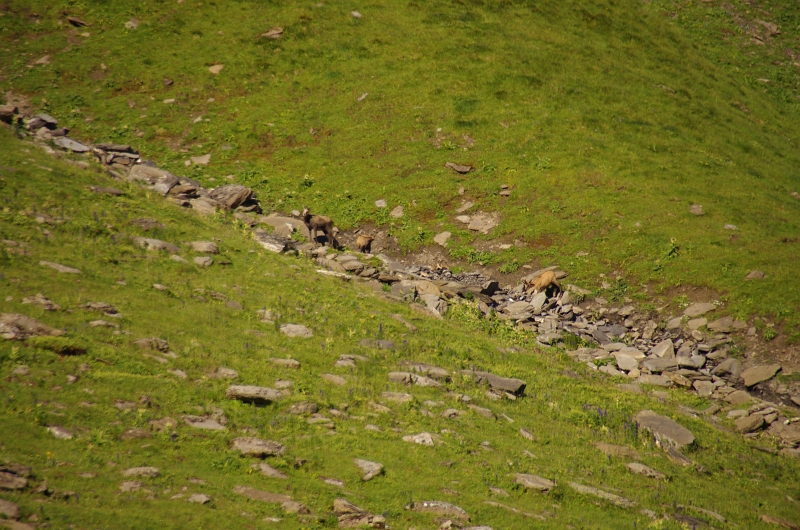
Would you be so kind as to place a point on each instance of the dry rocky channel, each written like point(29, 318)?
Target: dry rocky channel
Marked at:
point(694, 350)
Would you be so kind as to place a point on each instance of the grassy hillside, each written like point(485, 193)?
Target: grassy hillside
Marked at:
point(121, 386)
point(607, 120)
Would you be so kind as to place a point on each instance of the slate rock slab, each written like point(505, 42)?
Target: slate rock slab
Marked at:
point(749, 424)
point(146, 471)
point(664, 429)
point(60, 268)
point(9, 509)
point(698, 309)
point(758, 374)
point(439, 508)
point(14, 326)
point(155, 244)
point(296, 330)
point(504, 384)
point(201, 422)
point(253, 394)
point(641, 469)
point(251, 446)
point(534, 482)
point(11, 481)
point(616, 500)
point(423, 438)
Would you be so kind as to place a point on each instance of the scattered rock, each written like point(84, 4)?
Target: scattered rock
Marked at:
point(335, 379)
point(134, 434)
point(250, 446)
point(201, 422)
point(747, 424)
point(201, 160)
point(483, 222)
point(698, 309)
point(370, 469)
point(14, 326)
point(203, 261)
point(253, 394)
point(199, 498)
point(397, 397)
point(224, 373)
point(286, 363)
point(130, 485)
point(622, 502)
point(534, 482)
point(423, 438)
point(441, 238)
point(205, 246)
point(274, 33)
point(459, 168)
point(269, 471)
point(264, 496)
point(60, 432)
point(758, 374)
point(754, 275)
point(664, 429)
point(59, 267)
point(396, 213)
point(9, 509)
point(351, 516)
point(439, 508)
point(216, 69)
point(132, 24)
point(155, 244)
point(41, 301)
point(641, 469)
point(146, 471)
point(696, 209)
point(296, 330)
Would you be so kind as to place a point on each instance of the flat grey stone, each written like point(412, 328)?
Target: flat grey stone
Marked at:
point(622, 502)
point(657, 364)
point(335, 379)
point(698, 309)
point(738, 397)
point(641, 469)
point(203, 261)
point(369, 468)
point(253, 394)
point(441, 238)
point(504, 384)
point(60, 432)
point(664, 429)
point(296, 330)
point(199, 498)
point(534, 482)
point(286, 363)
point(398, 397)
point(758, 374)
point(59, 267)
point(654, 380)
point(205, 246)
point(616, 450)
point(439, 508)
point(665, 349)
point(423, 438)
point(625, 361)
point(146, 471)
point(71, 145)
point(251, 446)
point(729, 366)
point(748, 424)
point(9, 509)
point(269, 471)
point(201, 422)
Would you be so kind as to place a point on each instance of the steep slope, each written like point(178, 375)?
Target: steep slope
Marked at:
point(606, 120)
point(92, 411)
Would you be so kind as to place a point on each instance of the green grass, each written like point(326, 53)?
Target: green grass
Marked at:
point(565, 414)
point(606, 119)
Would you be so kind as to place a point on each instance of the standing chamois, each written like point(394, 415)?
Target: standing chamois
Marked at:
point(321, 223)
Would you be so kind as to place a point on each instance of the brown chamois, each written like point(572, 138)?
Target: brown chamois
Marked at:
point(364, 243)
point(544, 282)
point(321, 223)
